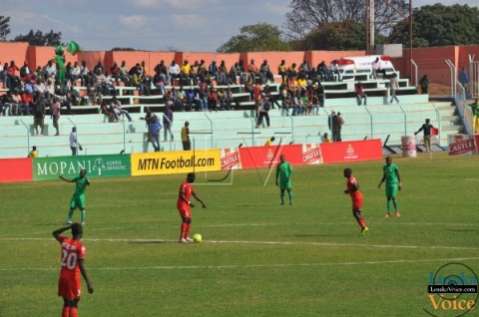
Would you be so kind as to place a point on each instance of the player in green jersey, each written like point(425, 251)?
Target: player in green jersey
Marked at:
point(78, 198)
point(283, 179)
point(393, 185)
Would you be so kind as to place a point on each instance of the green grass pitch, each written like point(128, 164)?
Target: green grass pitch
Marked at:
point(258, 258)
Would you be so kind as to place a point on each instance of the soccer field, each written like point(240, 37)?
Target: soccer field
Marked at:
point(258, 258)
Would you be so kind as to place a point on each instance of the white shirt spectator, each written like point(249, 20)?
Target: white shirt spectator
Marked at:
point(76, 71)
point(51, 70)
point(174, 69)
point(73, 140)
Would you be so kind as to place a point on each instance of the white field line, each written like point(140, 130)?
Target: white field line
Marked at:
point(272, 243)
point(244, 266)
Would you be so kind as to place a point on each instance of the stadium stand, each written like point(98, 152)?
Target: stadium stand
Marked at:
point(301, 101)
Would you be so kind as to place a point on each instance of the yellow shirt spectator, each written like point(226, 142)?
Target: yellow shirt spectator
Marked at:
point(186, 69)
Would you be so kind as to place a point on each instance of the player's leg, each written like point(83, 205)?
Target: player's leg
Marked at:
point(185, 226)
point(394, 192)
point(81, 206)
point(290, 195)
point(74, 307)
point(72, 207)
point(360, 219)
point(66, 308)
point(281, 194)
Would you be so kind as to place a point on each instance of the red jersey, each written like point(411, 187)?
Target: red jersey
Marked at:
point(185, 192)
point(72, 252)
point(352, 184)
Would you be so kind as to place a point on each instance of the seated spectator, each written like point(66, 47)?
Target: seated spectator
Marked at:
point(325, 138)
point(174, 72)
point(213, 99)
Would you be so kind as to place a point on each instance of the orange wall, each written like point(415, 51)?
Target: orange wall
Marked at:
point(13, 52)
point(40, 55)
point(130, 57)
point(274, 58)
point(157, 57)
point(316, 57)
point(91, 58)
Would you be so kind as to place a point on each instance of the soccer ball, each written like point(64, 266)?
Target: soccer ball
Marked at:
point(197, 238)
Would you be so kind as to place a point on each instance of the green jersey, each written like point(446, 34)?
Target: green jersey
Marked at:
point(475, 109)
point(283, 175)
point(80, 185)
point(391, 173)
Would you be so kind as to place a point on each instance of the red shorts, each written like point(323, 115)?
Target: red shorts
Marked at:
point(185, 211)
point(358, 201)
point(69, 286)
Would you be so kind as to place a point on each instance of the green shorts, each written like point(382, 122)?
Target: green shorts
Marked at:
point(286, 185)
point(77, 202)
point(392, 191)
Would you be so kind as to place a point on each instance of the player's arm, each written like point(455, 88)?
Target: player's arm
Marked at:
point(89, 284)
point(57, 233)
point(420, 129)
point(399, 179)
point(195, 196)
point(66, 179)
point(382, 180)
point(277, 175)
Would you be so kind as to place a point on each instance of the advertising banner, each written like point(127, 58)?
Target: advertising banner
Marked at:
point(462, 146)
point(267, 156)
point(312, 154)
point(15, 170)
point(352, 151)
point(230, 159)
point(476, 137)
point(163, 163)
point(69, 166)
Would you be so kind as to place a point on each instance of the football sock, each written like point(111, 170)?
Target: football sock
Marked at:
point(389, 205)
point(82, 215)
point(74, 312)
point(290, 196)
point(395, 204)
point(182, 230)
point(66, 311)
point(282, 197)
point(70, 214)
point(362, 223)
point(187, 230)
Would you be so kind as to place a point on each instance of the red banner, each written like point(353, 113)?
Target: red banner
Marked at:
point(476, 137)
point(352, 151)
point(268, 156)
point(462, 146)
point(15, 170)
point(230, 159)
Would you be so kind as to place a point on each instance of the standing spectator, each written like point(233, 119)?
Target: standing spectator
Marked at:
point(394, 86)
point(427, 129)
point(338, 123)
point(39, 114)
point(74, 144)
point(464, 80)
point(282, 71)
point(376, 68)
point(331, 124)
point(263, 113)
point(185, 137)
point(360, 94)
point(424, 84)
point(55, 110)
point(167, 123)
point(154, 127)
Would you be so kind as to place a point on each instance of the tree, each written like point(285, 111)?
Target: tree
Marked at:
point(4, 27)
point(439, 25)
point(310, 15)
point(256, 37)
point(39, 38)
point(348, 35)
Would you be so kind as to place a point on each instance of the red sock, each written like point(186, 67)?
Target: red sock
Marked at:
point(66, 311)
point(362, 223)
point(183, 230)
point(187, 230)
point(74, 312)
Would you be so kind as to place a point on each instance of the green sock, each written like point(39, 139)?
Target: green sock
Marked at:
point(70, 215)
point(389, 205)
point(290, 196)
point(82, 215)
point(395, 204)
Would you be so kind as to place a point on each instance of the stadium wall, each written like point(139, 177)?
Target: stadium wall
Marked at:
point(181, 162)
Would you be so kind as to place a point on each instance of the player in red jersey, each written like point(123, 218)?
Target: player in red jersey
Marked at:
point(184, 206)
point(72, 262)
point(352, 188)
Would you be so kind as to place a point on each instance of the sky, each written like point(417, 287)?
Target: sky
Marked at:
point(185, 25)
